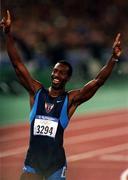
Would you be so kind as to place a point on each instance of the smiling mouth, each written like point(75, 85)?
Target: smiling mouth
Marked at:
point(56, 81)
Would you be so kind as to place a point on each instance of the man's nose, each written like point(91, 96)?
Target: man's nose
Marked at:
point(56, 74)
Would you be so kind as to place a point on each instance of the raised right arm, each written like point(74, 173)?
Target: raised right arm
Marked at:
point(30, 84)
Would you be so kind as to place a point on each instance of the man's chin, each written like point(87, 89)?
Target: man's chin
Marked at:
point(56, 86)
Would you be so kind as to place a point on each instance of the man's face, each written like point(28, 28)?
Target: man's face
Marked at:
point(59, 76)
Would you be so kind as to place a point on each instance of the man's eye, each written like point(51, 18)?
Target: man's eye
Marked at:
point(54, 71)
point(64, 73)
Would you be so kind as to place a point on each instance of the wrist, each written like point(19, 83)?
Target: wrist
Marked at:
point(115, 59)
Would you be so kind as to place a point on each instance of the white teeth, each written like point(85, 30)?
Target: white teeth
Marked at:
point(56, 81)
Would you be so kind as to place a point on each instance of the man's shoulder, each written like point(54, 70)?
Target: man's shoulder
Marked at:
point(73, 93)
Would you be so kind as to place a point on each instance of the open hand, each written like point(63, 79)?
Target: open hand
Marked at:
point(6, 22)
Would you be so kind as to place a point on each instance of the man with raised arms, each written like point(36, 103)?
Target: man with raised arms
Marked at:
point(51, 109)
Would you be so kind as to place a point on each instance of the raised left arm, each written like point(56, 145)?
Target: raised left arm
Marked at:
point(85, 93)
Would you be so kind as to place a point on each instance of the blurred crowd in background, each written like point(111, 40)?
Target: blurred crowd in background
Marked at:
point(81, 32)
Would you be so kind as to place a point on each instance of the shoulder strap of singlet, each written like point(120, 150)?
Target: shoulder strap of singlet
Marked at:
point(64, 113)
point(34, 108)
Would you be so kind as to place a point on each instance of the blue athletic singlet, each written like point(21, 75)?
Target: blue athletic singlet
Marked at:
point(48, 120)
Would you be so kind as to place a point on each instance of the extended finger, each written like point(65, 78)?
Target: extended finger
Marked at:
point(117, 40)
point(117, 37)
point(8, 14)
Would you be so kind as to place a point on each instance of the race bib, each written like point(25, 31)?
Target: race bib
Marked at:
point(45, 126)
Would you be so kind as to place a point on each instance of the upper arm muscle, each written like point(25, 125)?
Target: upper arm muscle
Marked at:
point(81, 95)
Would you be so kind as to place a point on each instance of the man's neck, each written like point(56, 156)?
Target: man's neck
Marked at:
point(55, 92)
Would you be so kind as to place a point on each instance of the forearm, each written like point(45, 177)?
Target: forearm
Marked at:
point(11, 49)
point(20, 69)
point(18, 65)
point(106, 70)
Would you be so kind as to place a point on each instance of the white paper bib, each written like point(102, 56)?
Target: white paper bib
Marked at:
point(45, 126)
